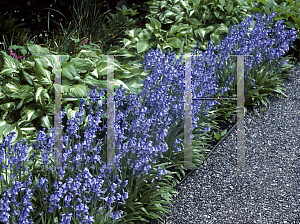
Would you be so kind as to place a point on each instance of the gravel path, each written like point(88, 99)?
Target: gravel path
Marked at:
point(269, 190)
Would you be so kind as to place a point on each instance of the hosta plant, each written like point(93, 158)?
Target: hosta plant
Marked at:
point(137, 161)
point(27, 87)
point(177, 26)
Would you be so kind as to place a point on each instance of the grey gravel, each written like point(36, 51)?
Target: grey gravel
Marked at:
point(269, 190)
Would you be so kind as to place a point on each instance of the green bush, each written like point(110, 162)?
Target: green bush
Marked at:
point(27, 88)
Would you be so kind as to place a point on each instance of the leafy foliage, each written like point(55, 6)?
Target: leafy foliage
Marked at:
point(289, 11)
point(27, 89)
point(28, 95)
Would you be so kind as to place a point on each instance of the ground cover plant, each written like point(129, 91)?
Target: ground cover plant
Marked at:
point(266, 81)
point(178, 34)
point(163, 68)
point(70, 43)
point(162, 129)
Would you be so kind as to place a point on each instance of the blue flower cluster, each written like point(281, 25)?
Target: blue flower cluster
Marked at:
point(266, 45)
point(152, 110)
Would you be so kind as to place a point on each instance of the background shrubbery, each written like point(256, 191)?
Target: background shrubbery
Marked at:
point(172, 26)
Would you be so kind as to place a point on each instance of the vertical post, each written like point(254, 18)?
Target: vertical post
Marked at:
point(240, 105)
point(110, 114)
point(57, 117)
point(188, 116)
point(240, 116)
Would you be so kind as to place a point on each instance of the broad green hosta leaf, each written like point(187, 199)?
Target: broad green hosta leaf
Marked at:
point(103, 68)
point(142, 46)
point(221, 29)
point(64, 88)
point(72, 112)
point(10, 128)
point(175, 29)
point(49, 110)
point(119, 82)
point(210, 28)
point(19, 91)
point(30, 112)
point(37, 50)
point(78, 91)
point(28, 64)
point(83, 65)
point(155, 23)
point(69, 71)
point(127, 42)
point(101, 84)
point(46, 121)
point(150, 28)
point(94, 74)
point(146, 35)
point(3, 126)
point(194, 21)
point(174, 42)
point(87, 54)
point(216, 39)
point(12, 87)
point(201, 33)
point(133, 33)
point(2, 94)
point(42, 75)
point(229, 8)
point(136, 85)
point(8, 106)
point(27, 130)
point(44, 62)
point(168, 13)
point(8, 61)
point(27, 77)
point(41, 96)
point(63, 58)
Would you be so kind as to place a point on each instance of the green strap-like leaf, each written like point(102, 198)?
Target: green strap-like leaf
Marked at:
point(8, 71)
